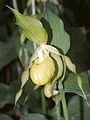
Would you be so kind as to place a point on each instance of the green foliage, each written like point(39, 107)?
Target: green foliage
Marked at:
point(24, 79)
point(8, 92)
point(3, 94)
point(32, 27)
point(78, 109)
point(72, 86)
point(72, 68)
point(9, 50)
point(5, 117)
point(33, 117)
point(60, 38)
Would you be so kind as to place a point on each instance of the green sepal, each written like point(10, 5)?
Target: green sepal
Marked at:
point(69, 64)
point(52, 49)
point(32, 27)
point(18, 95)
point(79, 81)
point(59, 69)
point(72, 68)
point(24, 77)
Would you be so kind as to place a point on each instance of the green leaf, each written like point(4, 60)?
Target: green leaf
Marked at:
point(32, 27)
point(13, 88)
point(33, 117)
point(71, 84)
point(78, 109)
point(4, 89)
point(60, 38)
point(24, 77)
point(9, 50)
point(72, 68)
point(8, 93)
point(5, 117)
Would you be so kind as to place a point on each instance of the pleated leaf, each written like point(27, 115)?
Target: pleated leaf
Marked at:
point(72, 68)
point(60, 37)
point(32, 27)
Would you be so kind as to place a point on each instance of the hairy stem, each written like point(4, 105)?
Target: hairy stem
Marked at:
point(58, 108)
point(33, 7)
point(33, 13)
point(63, 100)
point(64, 106)
point(15, 4)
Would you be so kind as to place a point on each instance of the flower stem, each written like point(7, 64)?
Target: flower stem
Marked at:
point(58, 108)
point(15, 4)
point(33, 13)
point(64, 106)
point(63, 100)
point(33, 7)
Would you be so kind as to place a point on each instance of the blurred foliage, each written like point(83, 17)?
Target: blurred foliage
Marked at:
point(76, 17)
